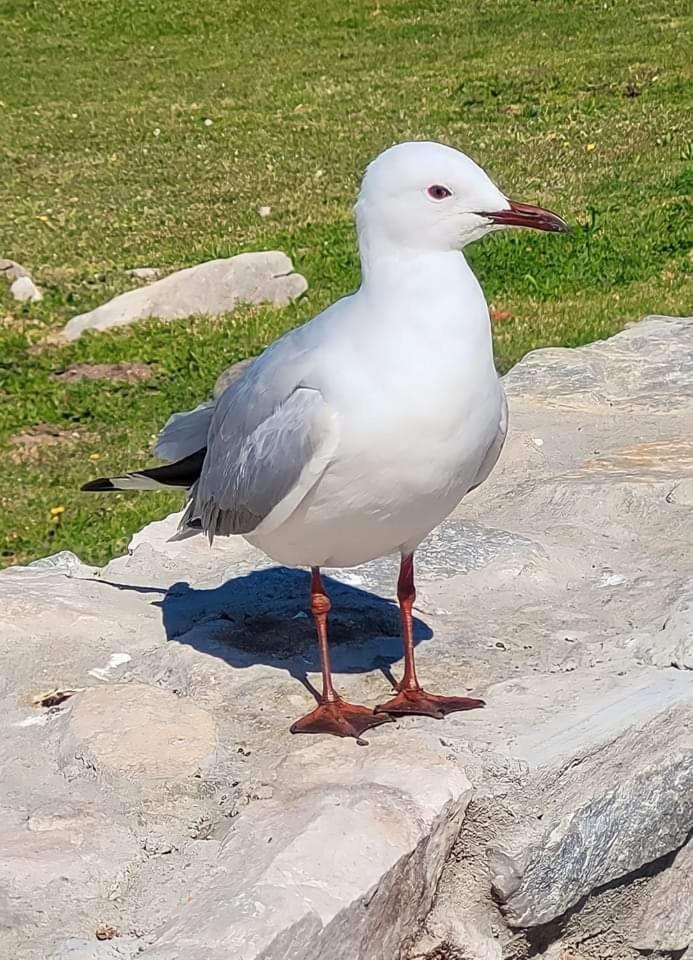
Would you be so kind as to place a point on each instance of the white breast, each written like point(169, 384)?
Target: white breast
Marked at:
point(418, 412)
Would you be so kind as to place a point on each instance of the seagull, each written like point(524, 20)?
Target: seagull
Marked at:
point(353, 436)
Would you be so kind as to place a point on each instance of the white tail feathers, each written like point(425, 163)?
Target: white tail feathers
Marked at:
point(137, 481)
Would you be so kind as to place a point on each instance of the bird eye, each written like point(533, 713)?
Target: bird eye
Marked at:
point(438, 192)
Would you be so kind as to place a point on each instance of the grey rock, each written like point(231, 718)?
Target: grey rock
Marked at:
point(456, 934)
point(169, 792)
point(597, 821)
point(638, 368)
point(670, 643)
point(133, 730)
point(209, 289)
point(121, 948)
point(62, 854)
point(24, 289)
point(11, 270)
point(64, 563)
point(324, 893)
point(667, 923)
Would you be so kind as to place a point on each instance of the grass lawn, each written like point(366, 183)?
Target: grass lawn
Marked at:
point(107, 163)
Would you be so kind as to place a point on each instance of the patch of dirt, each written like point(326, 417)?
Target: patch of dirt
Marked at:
point(30, 445)
point(117, 372)
point(497, 314)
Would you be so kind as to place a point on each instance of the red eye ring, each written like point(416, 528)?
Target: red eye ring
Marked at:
point(438, 192)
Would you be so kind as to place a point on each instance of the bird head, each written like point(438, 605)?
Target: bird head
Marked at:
point(430, 197)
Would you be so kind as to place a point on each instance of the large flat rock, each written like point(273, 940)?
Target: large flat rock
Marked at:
point(615, 811)
point(160, 781)
point(667, 923)
point(208, 289)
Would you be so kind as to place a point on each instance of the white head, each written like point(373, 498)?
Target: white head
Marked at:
point(427, 197)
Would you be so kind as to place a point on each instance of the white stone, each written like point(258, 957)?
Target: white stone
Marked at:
point(63, 563)
point(209, 289)
point(11, 270)
point(24, 289)
point(120, 948)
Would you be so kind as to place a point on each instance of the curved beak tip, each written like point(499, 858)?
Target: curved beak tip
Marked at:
point(526, 215)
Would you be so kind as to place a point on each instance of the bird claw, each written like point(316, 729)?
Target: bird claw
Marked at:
point(341, 719)
point(420, 703)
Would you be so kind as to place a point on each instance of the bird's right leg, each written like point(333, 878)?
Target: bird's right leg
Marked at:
point(332, 714)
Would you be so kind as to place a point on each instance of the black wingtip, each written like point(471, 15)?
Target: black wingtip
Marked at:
point(98, 486)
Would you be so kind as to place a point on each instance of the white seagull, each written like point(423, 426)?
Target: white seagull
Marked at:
point(355, 435)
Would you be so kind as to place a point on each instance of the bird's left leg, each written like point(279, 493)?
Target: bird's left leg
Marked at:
point(333, 714)
point(411, 698)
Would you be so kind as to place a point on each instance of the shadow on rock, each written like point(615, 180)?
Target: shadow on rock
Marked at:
point(263, 617)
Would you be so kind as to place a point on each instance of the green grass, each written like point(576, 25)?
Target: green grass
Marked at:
point(581, 105)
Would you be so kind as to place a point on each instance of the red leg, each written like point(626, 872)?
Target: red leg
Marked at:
point(332, 714)
point(411, 698)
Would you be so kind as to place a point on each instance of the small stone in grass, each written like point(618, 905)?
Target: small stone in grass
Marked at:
point(25, 290)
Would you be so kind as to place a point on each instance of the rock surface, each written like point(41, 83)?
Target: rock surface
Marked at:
point(597, 821)
point(11, 270)
point(669, 642)
point(667, 924)
point(24, 289)
point(161, 795)
point(134, 730)
point(209, 289)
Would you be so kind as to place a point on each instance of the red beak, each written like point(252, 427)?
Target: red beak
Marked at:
point(525, 215)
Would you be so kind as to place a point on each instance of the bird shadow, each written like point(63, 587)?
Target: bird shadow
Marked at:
point(262, 617)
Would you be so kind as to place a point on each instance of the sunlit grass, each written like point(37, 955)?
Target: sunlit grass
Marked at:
point(107, 163)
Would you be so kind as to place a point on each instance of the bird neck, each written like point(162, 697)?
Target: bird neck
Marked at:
point(427, 278)
point(433, 291)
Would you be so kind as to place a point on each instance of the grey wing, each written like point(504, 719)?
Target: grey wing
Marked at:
point(494, 451)
point(184, 433)
point(257, 473)
point(254, 394)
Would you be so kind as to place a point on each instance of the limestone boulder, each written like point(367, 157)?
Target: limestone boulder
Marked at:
point(667, 923)
point(24, 289)
point(208, 289)
point(10, 270)
point(150, 786)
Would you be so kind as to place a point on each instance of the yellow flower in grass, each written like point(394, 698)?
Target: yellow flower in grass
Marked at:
point(57, 511)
